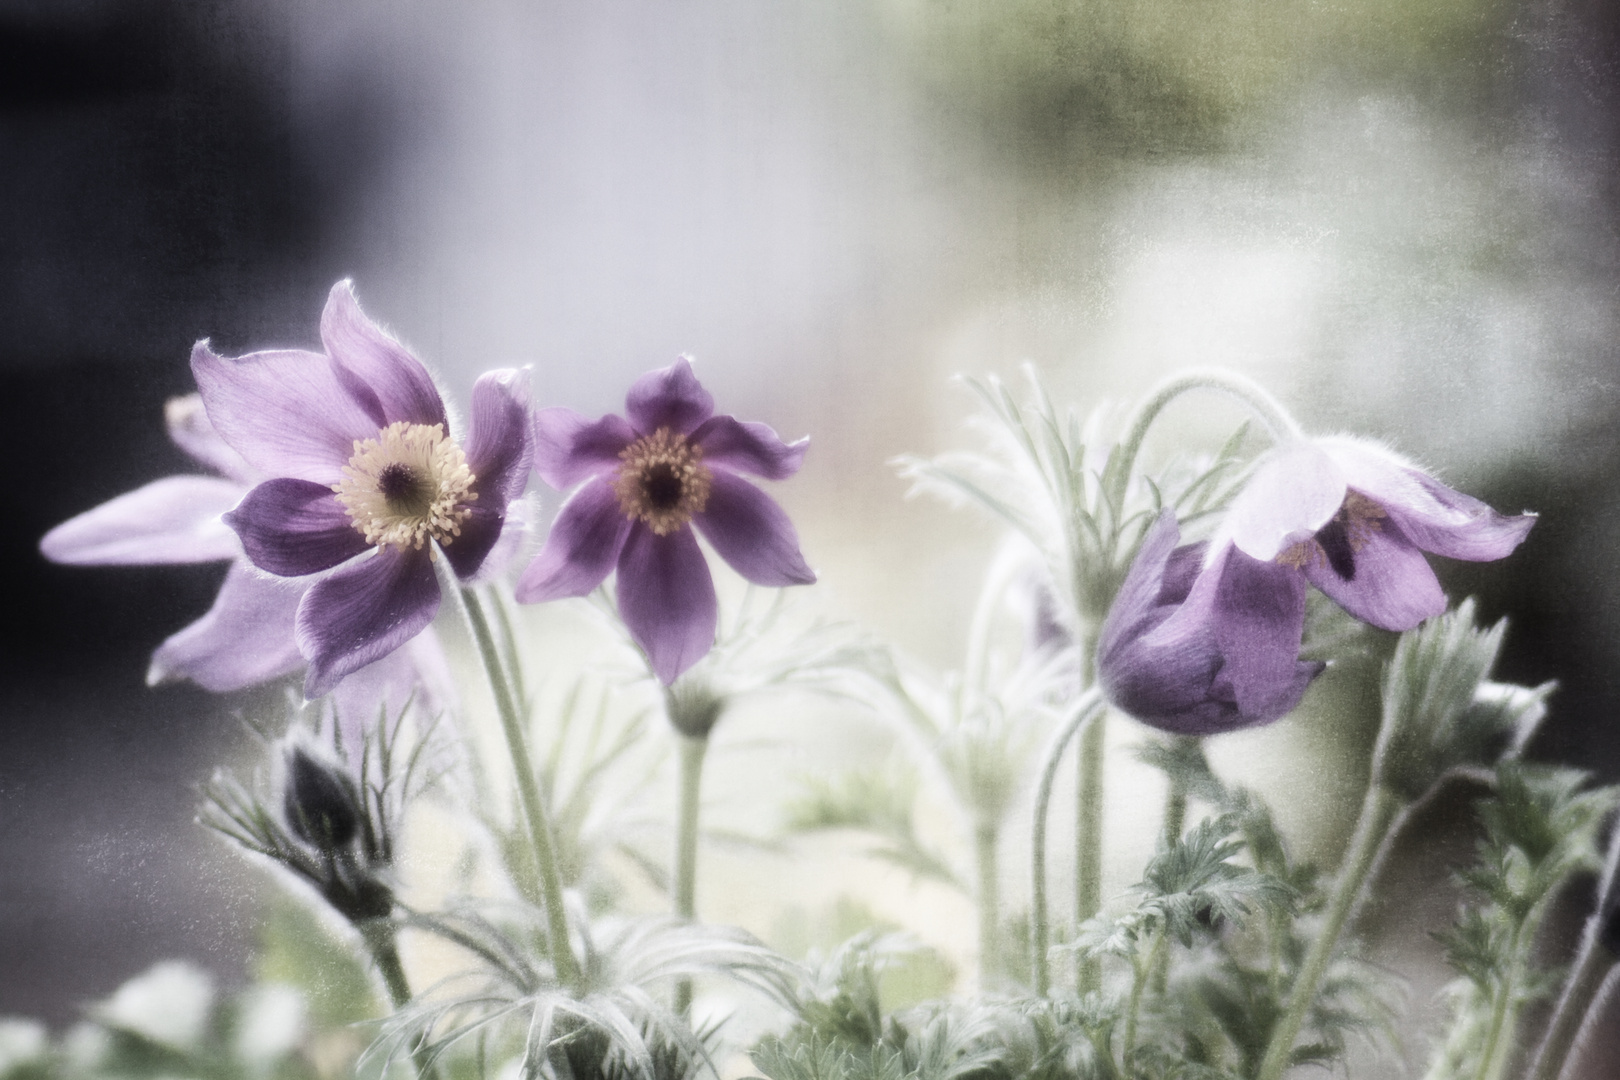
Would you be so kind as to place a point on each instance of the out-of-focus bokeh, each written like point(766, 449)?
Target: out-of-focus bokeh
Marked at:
point(1401, 216)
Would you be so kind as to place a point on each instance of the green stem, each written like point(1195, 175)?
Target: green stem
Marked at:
point(382, 941)
point(692, 752)
point(1156, 956)
point(534, 807)
point(1581, 993)
point(1040, 928)
point(1278, 422)
point(1378, 812)
point(985, 851)
point(1088, 842)
point(1489, 1067)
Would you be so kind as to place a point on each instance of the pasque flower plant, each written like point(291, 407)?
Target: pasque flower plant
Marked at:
point(367, 481)
point(650, 478)
point(1205, 638)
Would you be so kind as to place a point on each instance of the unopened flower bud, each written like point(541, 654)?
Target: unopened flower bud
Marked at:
point(320, 802)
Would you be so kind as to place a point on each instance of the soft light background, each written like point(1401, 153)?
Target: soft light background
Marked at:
point(1400, 215)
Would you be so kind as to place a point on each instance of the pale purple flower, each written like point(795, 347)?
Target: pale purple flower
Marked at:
point(367, 481)
point(671, 464)
point(246, 637)
point(1199, 649)
point(1206, 638)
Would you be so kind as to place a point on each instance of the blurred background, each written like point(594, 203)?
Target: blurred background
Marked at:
point(1399, 214)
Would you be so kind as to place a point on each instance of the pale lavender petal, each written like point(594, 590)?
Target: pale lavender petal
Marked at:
point(1390, 584)
point(188, 425)
point(1294, 491)
point(245, 639)
point(667, 599)
point(285, 411)
point(293, 527)
point(569, 447)
point(498, 447)
point(1259, 620)
point(361, 613)
point(669, 398)
point(752, 533)
point(583, 548)
point(378, 372)
point(416, 674)
point(748, 446)
point(173, 520)
point(1430, 514)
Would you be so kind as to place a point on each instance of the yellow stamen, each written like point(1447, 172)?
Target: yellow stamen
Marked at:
point(407, 486)
point(663, 481)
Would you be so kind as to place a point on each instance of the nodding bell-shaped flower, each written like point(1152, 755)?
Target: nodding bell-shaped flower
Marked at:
point(1196, 646)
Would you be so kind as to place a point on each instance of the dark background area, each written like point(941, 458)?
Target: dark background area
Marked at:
point(158, 184)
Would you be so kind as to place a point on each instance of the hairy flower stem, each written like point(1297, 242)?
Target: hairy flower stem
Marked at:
point(1142, 971)
point(1175, 819)
point(533, 804)
point(1494, 1059)
point(382, 942)
point(692, 753)
point(1581, 994)
point(1278, 422)
point(1379, 809)
point(1040, 928)
point(1088, 842)
point(989, 897)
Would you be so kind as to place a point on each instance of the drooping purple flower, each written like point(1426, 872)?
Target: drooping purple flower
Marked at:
point(672, 463)
point(1196, 647)
point(1356, 518)
point(246, 637)
point(367, 481)
point(1205, 638)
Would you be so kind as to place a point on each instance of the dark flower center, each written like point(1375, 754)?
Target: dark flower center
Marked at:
point(1334, 540)
point(404, 489)
point(661, 486)
point(1337, 542)
point(662, 481)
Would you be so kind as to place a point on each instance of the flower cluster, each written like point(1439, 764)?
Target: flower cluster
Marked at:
point(1205, 638)
point(341, 480)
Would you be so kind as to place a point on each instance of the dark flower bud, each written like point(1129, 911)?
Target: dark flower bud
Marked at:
point(320, 802)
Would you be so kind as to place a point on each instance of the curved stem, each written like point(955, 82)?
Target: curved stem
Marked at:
point(1581, 995)
point(692, 752)
point(1379, 809)
point(1040, 930)
point(1270, 412)
point(534, 807)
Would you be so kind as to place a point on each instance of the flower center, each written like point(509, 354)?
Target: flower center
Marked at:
point(407, 486)
point(1337, 542)
point(663, 481)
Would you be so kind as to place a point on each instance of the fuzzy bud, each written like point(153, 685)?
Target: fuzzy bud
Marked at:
point(320, 802)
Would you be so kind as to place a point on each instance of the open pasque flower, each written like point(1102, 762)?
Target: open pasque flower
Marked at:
point(670, 465)
point(367, 481)
point(246, 637)
point(1206, 638)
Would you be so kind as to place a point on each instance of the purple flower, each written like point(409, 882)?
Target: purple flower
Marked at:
point(671, 464)
point(1205, 638)
point(246, 638)
point(1356, 518)
point(1199, 649)
point(367, 481)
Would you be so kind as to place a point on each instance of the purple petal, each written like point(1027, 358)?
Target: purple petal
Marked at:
point(1430, 514)
point(293, 527)
point(245, 639)
point(748, 446)
point(285, 412)
point(378, 372)
point(361, 613)
point(1259, 619)
point(173, 520)
point(569, 447)
point(583, 548)
point(1295, 490)
point(498, 445)
point(668, 398)
point(666, 597)
point(1136, 608)
point(480, 531)
point(188, 425)
point(1391, 584)
point(752, 533)
point(417, 673)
